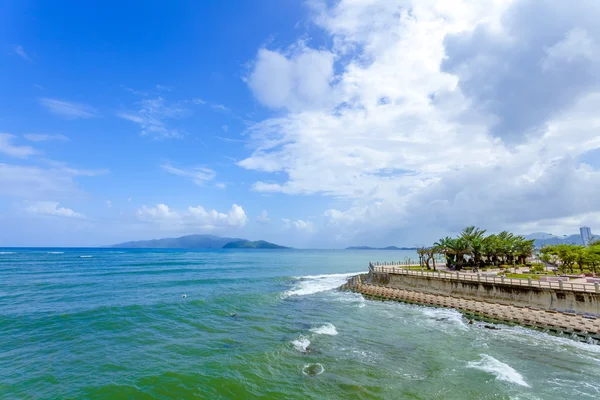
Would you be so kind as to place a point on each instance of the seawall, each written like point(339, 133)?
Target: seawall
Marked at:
point(579, 327)
point(477, 288)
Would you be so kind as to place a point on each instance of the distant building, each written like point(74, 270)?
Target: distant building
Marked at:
point(586, 235)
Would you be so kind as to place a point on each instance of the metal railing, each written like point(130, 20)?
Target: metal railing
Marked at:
point(561, 285)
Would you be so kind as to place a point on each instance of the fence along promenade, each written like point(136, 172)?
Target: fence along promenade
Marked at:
point(401, 269)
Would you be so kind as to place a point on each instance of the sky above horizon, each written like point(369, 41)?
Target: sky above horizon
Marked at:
point(315, 123)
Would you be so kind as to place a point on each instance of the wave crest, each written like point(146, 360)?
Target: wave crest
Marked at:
point(327, 329)
point(503, 372)
point(301, 344)
point(311, 284)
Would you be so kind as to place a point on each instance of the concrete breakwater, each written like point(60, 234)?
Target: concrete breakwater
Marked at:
point(558, 296)
point(577, 326)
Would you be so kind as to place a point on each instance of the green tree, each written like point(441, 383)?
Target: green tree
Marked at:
point(563, 255)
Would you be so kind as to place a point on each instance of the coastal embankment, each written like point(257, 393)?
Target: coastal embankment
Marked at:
point(567, 309)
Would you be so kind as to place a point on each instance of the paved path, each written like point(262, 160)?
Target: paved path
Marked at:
point(481, 277)
point(583, 327)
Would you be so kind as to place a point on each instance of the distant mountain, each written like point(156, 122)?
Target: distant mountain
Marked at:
point(379, 248)
point(545, 239)
point(539, 236)
point(184, 242)
point(246, 244)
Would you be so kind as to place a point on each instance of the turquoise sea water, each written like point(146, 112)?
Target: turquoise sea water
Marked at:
point(114, 324)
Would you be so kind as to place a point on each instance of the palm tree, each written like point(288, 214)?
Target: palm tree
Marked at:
point(442, 247)
point(473, 237)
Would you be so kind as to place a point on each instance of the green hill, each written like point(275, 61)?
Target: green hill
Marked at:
point(198, 242)
point(246, 244)
point(183, 242)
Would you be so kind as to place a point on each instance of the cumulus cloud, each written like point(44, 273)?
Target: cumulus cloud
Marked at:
point(432, 116)
point(193, 218)
point(263, 218)
point(198, 175)
point(296, 79)
point(541, 61)
point(299, 225)
point(7, 147)
point(51, 208)
point(68, 109)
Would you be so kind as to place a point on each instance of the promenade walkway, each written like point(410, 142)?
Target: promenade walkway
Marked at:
point(575, 286)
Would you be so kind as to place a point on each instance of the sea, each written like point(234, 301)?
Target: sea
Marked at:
point(254, 324)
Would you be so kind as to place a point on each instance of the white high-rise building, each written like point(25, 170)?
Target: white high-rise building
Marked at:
point(586, 235)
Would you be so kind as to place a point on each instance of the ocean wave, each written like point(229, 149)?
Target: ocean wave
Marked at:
point(501, 371)
point(311, 284)
point(301, 344)
point(85, 256)
point(327, 329)
point(55, 252)
point(529, 337)
point(7, 252)
point(444, 315)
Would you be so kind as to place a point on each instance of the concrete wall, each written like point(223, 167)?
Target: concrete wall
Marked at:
point(549, 299)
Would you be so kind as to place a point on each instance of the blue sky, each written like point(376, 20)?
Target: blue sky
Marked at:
point(311, 124)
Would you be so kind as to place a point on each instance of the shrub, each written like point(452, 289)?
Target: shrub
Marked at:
point(537, 268)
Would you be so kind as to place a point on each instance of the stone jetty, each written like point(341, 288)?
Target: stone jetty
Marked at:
point(582, 327)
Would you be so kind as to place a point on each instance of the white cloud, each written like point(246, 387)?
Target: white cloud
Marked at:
point(214, 106)
point(153, 115)
point(32, 182)
point(20, 51)
point(67, 109)
point(212, 218)
point(300, 225)
point(221, 185)
point(160, 214)
point(108, 204)
point(51, 208)
point(225, 128)
point(193, 218)
point(263, 218)
point(7, 147)
point(198, 175)
point(576, 44)
point(296, 80)
point(438, 115)
point(33, 137)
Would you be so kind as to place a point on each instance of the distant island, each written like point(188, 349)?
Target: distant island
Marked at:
point(198, 242)
point(379, 248)
point(259, 244)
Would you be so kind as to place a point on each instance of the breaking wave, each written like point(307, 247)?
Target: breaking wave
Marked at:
point(327, 329)
point(312, 284)
point(301, 344)
point(501, 371)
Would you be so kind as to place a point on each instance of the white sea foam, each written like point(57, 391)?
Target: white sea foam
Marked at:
point(442, 314)
point(7, 252)
point(85, 256)
point(501, 371)
point(312, 284)
point(313, 369)
point(55, 252)
point(301, 344)
point(327, 329)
